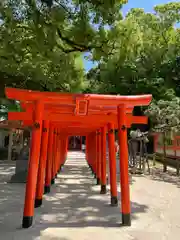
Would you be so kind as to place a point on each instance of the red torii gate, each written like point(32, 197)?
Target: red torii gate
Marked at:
point(55, 116)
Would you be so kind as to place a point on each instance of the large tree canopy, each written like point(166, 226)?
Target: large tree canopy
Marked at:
point(41, 42)
point(142, 56)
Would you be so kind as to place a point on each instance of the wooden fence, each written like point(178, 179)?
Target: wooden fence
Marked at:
point(172, 145)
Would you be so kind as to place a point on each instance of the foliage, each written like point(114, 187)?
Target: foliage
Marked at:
point(165, 114)
point(41, 42)
point(8, 106)
point(142, 56)
point(28, 62)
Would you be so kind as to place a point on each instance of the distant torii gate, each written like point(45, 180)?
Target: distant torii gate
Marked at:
point(55, 116)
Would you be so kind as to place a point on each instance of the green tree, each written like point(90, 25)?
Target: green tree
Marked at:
point(8, 106)
point(165, 114)
point(41, 42)
point(142, 54)
point(28, 62)
point(165, 118)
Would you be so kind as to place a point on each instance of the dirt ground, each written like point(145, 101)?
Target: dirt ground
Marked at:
point(74, 210)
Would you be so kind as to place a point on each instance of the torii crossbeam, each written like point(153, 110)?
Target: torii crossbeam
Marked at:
point(55, 116)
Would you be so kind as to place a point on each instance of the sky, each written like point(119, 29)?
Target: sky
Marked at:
point(148, 6)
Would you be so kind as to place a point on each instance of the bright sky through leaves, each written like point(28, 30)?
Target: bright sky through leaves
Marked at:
point(148, 7)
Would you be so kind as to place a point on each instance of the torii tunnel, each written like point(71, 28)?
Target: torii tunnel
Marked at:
point(56, 116)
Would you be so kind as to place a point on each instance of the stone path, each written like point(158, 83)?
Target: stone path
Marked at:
point(74, 210)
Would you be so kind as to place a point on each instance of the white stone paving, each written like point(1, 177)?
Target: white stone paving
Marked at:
point(74, 210)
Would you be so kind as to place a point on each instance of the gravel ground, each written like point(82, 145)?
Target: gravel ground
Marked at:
point(74, 210)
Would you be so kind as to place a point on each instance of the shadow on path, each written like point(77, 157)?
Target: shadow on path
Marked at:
point(74, 202)
point(170, 176)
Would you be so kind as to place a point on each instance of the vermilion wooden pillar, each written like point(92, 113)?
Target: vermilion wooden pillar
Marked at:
point(58, 152)
point(49, 162)
point(42, 164)
point(88, 153)
point(112, 165)
point(94, 152)
point(53, 156)
point(33, 165)
point(62, 151)
point(66, 148)
point(124, 174)
point(103, 160)
point(86, 150)
point(98, 161)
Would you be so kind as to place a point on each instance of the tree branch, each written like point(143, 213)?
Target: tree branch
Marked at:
point(64, 7)
point(70, 50)
point(78, 46)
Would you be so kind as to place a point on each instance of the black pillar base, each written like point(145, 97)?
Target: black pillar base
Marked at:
point(114, 201)
point(52, 181)
point(126, 219)
point(38, 203)
point(103, 189)
point(27, 222)
point(95, 175)
point(56, 175)
point(98, 181)
point(46, 189)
